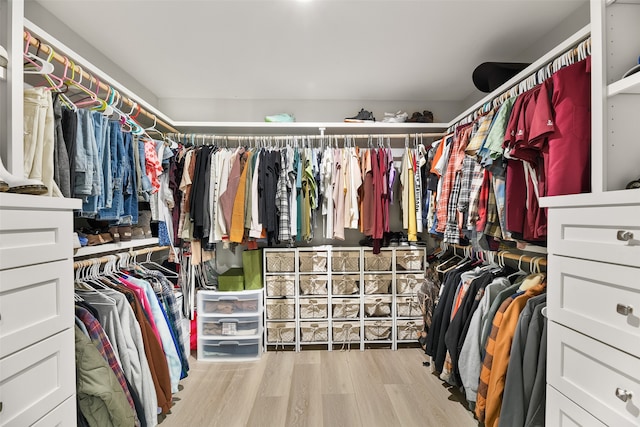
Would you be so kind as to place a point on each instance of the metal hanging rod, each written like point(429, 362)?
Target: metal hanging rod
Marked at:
point(73, 68)
point(199, 138)
point(522, 259)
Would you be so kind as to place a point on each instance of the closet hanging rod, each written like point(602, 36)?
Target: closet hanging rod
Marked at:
point(46, 49)
point(524, 259)
point(199, 138)
point(134, 253)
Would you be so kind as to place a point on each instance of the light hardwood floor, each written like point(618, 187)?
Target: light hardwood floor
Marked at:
point(372, 388)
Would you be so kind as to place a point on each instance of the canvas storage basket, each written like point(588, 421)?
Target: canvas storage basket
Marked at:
point(409, 260)
point(281, 332)
point(377, 284)
point(345, 284)
point(314, 331)
point(281, 286)
point(346, 308)
point(313, 285)
point(281, 309)
point(377, 262)
point(378, 330)
point(377, 306)
point(409, 329)
point(313, 308)
point(346, 332)
point(280, 261)
point(408, 307)
point(313, 261)
point(345, 261)
point(409, 283)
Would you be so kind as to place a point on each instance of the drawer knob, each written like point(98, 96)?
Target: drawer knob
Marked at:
point(623, 394)
point(625, 310)
point(624, 236)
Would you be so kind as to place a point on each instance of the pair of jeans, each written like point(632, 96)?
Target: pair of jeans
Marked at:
point(62, 168)
point(96, 200)
point(38, 141)
point(130, 186)
point(117, 162)
point(86, 167)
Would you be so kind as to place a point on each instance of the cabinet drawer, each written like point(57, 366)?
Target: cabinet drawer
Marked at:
point(594, 233)
point(594, 375)
point(35, 302)
point(33, 237)
point(594, 298)
point(211, 303)
point(228, 350)
point(35, 380)
point(562, 412)
point(63, 415)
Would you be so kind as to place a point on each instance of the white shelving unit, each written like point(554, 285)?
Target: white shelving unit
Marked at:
point(343, 296)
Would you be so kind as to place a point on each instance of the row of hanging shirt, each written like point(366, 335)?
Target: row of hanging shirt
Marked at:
point(296, 193)
point(487, 176)
point(133, 318)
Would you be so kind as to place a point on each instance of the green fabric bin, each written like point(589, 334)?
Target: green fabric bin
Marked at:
point(231, 280)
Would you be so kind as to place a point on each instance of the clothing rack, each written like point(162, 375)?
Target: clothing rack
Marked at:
point(134, 253)
point(521, 259)
point(578, 43)
point(74, 69)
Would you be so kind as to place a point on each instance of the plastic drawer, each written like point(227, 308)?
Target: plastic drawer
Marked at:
point(229, 326)
point(212, 303)
point(229, 349)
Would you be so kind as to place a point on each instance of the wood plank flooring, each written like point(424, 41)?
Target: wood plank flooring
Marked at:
point(372, 388)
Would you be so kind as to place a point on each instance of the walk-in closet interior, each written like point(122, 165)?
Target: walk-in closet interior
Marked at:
point(319, 213)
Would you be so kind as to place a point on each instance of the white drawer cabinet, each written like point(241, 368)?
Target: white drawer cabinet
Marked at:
point(562, 412)
point(37, 350)
point(600, 378)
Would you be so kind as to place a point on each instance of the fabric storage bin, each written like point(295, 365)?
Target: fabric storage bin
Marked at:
point(313, 261)
point(345, 308)
point(377, 306)
point(313, 308)
point(409, 283)
point(314, 332)
point(313, 285)
point(345, 261)
point(379, 262)
point(281, 332)
point(281, 309)
point(345, 284)
point(407, 307)
point(211, 349)
point(281, 261)
point(281, 286)
point(377, 283)
point(409, 330)
point(346, 331)
point(231, 280)
point(229, 326)
point(378, 330)
point(409, 260)
point(222, 303)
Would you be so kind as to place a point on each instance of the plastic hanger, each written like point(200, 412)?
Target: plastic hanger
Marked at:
point(165, 271)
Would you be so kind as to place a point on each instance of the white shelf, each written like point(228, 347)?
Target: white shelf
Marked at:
point(618, 197)
point(305, 128)
point(112, 247)
point(628, 85)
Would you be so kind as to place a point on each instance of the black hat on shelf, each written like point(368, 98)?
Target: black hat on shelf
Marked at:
point(488, 76)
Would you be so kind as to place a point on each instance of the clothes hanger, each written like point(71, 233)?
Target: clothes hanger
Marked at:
point(520, 271)
point(165, 271)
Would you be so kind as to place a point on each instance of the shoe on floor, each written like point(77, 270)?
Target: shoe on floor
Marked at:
point(399, 117)
point(361, 117)
point(3, 186)
point(280, 118)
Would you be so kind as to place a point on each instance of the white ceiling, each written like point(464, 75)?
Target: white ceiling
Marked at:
point(310, 50)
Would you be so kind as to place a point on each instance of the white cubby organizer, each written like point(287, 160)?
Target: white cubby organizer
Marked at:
point(342, 297)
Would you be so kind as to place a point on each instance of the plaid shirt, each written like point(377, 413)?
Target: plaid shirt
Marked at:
point(483, 125)
point(99, 338)
point(282, 200)
point(493, 222)
point(468, 166)
point(452, 233)
point(453, 168)
point(477, 176)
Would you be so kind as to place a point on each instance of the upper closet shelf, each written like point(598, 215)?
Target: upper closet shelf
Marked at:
point(113, 247)
point(306, 128)
point(629, 84)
